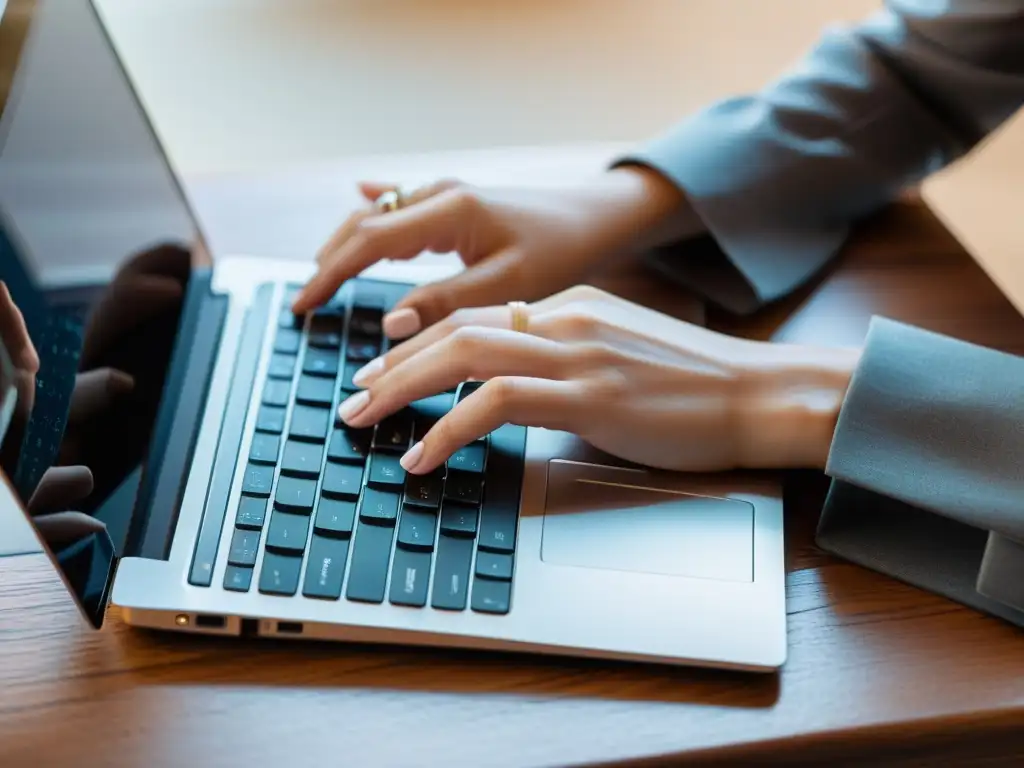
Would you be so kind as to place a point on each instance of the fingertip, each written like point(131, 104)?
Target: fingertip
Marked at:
point(402, 323)
point(412, 461)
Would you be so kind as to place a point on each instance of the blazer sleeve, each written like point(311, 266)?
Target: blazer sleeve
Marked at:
point(927, 468)
point(778, 177)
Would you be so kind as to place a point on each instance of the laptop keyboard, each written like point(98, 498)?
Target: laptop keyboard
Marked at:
point(330, 508)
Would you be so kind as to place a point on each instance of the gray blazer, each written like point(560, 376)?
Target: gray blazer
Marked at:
point(927, 462)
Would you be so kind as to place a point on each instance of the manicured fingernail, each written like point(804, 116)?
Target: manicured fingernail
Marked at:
point(368, 372)
point(354, 405)
point(412, 457)
point(402, 323)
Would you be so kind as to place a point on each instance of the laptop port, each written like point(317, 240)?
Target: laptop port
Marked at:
point(289, 627)
point(210, 621)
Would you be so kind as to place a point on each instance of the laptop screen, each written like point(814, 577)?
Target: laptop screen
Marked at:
point(96, 248)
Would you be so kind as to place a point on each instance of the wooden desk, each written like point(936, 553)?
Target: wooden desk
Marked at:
point(879, 673)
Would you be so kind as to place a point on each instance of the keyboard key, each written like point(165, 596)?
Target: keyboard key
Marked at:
point(350, 369)
point(287, 341)
point(416, 529)
point(366, 322)
point(349, 445)
point(302, 459)
point(394, 432)
point(287, 532)
point(277, 392)
point(280, 574)
point(424, 490)
point(458, 520)
point(499, 513)
point(491, 596)
point(362, 350)
point(369, 299)
point(237, 578)
point(334, 517)
point(295, 495)
point(428, 411)
point(282, 366)
point(410, 575)
point(264, 448)
point(252, 512)
point(465, 389)
point(469, 458)
point(270, 419)
point(493, 565)
point(463, 487)
point(325, 331)
point(386, 471)
point(244, 546)
point(371, 555)
point(289, 319)
point(342, 480)
point(325, 569)
point(259, 479)
point(378, 506)
point(321, 362)
point(451, 573)
point(310, 423)
point(315, 390)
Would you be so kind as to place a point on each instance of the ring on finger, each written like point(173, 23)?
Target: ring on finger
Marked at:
point(392, 200)
point(520, 317)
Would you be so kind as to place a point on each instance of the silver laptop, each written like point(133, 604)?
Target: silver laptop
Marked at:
point(235, 504)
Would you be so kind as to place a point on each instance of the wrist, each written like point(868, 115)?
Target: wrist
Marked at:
point(634, 208)
point(791, 405)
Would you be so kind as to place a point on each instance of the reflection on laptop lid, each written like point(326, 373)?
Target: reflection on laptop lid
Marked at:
point(85, 188)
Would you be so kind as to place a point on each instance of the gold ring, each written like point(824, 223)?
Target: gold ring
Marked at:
point(520, 318)
point(392, 200)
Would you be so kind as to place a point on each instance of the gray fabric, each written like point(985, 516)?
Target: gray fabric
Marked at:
point(779, 176)
point(928, 460)
point(929, 454)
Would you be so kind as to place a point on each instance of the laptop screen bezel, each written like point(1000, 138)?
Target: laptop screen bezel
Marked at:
point(17, 18)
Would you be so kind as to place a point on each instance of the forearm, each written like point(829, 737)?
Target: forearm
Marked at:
point(779, 176)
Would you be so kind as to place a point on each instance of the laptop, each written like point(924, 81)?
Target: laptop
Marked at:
point(238, 505)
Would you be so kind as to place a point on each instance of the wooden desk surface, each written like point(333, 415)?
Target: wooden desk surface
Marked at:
point(879, 673)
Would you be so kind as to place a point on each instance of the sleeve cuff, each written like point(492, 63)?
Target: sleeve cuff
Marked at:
point(926, 467)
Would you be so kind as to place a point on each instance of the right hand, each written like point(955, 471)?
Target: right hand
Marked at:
point(517, 244)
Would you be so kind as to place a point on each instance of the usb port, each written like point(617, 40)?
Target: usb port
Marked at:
point(289, 627)
point(210, 621)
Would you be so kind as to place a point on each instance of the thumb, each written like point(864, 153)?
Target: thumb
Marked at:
point(490, 281)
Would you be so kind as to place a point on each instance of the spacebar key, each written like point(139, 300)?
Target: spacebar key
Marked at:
point(499, 513)
point(231, 431)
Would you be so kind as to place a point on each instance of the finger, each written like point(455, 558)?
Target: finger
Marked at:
point(483, 317)
point(490, 281)
point(15, 333)
point(60, 489)
point(527, 402)
point(371, 191)
point(473, 353)
point(433, 225)
point(62, 529)
point(96, 391)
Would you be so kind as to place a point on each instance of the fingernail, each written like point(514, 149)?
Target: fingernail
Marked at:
point(402, 323)
point(368, 372)
point(354, 405)
point(412, 457)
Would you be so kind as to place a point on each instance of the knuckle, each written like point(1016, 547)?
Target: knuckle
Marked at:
point(585, 293)
point(501, 394)
point(464, 198)
point(577, 324)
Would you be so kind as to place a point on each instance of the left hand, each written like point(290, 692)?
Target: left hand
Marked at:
point(632, 382)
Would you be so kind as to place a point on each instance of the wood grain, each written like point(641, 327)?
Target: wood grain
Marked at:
point(879, 674)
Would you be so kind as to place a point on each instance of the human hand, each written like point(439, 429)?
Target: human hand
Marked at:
point(630, 381)
point(521, 244)
point(59, 491)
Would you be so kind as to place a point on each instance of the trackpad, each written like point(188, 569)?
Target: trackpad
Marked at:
point(623, 520)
